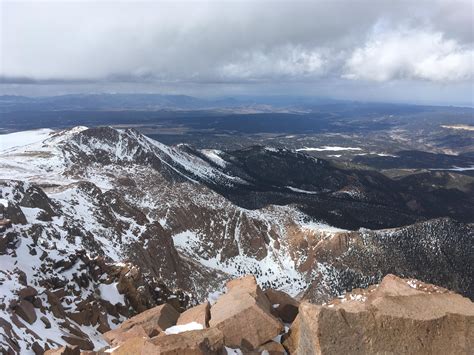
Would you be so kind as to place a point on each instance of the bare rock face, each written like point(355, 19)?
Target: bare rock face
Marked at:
point(152, 322)
point(118, 336)
point(398, 316)
point(284, 306)
point(243, 310)
point(207, 341)
point(199, 314)
point(272, 348)
point(196, 342)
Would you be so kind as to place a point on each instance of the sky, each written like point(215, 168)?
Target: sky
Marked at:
point(373, 50)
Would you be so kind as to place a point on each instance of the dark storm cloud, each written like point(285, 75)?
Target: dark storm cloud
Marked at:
point(237, 42)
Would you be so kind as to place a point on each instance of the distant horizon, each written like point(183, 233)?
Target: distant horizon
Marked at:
point(260, 97)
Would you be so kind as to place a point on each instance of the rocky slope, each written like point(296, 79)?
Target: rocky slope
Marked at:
point(105, 223)
point(399, 316)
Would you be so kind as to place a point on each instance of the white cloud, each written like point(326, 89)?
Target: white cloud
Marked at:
point(410, 54)
point(283, 62)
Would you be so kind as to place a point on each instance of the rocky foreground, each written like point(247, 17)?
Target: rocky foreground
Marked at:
point(397, 316)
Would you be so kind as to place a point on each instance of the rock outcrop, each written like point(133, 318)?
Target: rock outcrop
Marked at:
point(149, 323)
point(195, 342)
point(397, 317)
point(199, 314)
point(241, 311)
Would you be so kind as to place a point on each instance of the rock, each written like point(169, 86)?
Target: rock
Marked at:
point(285, 307)
point(241, 311)
point(27, 292)
point(46, 322)
point(199, 314)
point(37, 302)
point(103, 323)
point(196, 342)
point(134, 345)
point(7, 241)
point(398, 316)
point(81, 343)
point(152, 321)
point(64, 350)
point(272, 348)
point(117, 338)
point(22, 279)
point(55, 303)
point(37, 349)
point(14, 213)
point(207, 342)
point(26, 311)
point(82, 318)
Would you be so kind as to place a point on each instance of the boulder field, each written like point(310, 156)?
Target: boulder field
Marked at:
point(397, 316)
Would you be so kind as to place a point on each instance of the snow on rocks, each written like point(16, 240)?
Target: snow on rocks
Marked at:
point(176, 329)
point(327, 148)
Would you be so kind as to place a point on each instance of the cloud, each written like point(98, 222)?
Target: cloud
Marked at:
point(207, 42)
point(410, 54)
point(287, 62)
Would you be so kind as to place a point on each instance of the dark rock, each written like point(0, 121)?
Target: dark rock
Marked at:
point(37, 349)
point(27, 293)
point(65, 350)
point(284, 306)
point(26, 311)
point(46, 322)
point(81, 343)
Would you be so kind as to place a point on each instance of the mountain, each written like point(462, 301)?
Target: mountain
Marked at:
point(102, 223)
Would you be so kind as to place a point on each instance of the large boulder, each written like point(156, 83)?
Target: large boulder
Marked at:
point(244, 316)
point(284, 306)
point(398, 316)
point(152, 321)
point(27, 293)
point(65, 350)
point(26, 311)
point(272, 348)
point(196, 342)
point(199, 314)
point(120, 336)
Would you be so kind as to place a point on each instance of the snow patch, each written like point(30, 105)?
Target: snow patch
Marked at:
point(110, 293)
point(176, 329)
point(213, 155)
point(18, 139)
point(301, 191)
point(326, 148)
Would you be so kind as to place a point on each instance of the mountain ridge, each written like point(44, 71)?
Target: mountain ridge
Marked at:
point(145, 214)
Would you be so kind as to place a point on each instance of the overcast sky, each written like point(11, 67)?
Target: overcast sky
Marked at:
point(414, 51)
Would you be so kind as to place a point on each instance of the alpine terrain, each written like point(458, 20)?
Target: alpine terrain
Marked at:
point(98, 225)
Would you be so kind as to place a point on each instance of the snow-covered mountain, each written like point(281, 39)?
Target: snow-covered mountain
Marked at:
point(102, 223)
